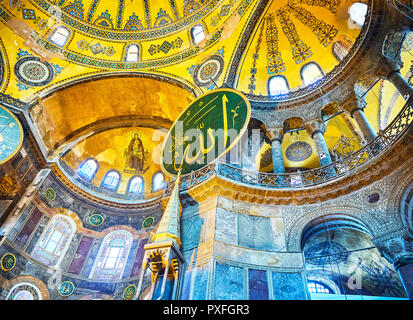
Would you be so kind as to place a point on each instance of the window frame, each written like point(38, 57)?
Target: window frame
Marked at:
point(279, 76)
point(105, 185)
point(321, 284)
point(158, 173)
point(127, 48)
point(304, 67)
point(141, 187)
point(84, 175)
point(193, 36)
point(55, 31)
point(99, 270)
point(41, 254)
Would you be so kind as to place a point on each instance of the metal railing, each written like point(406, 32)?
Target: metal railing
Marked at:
point(308, 178)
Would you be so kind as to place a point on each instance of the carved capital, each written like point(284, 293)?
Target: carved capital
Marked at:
point(315, 126)
point(396, 247)
point(352, 104)
point(387, 67)
point(275, 134)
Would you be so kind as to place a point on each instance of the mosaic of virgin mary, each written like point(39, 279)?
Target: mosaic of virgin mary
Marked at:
point(135, 155)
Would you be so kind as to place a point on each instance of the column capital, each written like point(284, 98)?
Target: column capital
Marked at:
point(275, 134)
point(352, 104)
point(314, 126)
point(396, 247)
point(387, 67)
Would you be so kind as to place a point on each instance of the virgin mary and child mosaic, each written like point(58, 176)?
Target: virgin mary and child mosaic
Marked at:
point(136, 156)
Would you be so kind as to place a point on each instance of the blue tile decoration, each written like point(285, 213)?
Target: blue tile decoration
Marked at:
point(288, 286)
point(229, 282)
point(224, 226)
point(29, 14)
point(255, 232)
point(92, 10)
point(257, 285)
point(201, 281)
point(11, 135)
point(75, 9)
point(326, 253)
point(167, 292)
point(186, 285)
point(191, 232)
point(119, 16)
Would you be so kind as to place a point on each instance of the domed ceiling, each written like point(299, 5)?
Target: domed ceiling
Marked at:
point(84, 90)
point(284, 35)
point(293, 33)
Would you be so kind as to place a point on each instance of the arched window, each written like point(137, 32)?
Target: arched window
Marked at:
point(24, 291)
point(197, 33)
point(158, 181)
point(132, 53)
point(340, 50)
point(111, 180)
point(88, 169)
point(113, 253)
point(318, 287)
point(60, 36)
point(278, 85)
point(311, 72)
point(135, 185)
point(55, 240)
point(358, 12)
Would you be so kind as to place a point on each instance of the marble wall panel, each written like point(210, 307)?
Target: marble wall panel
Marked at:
point(226, 226)
point(80, 255)
point(255, 232)
point(288, 286)
point(229, 282)
point(257, 285)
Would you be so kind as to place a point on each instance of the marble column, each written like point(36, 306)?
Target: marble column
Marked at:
point(404, 267)
point(276, 137)
point(316, 130)
point(401, 84)
point(390, 70)
point(396, 248)
point(355, 106)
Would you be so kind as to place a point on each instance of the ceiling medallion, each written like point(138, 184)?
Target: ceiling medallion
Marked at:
point(33, 72)
point(96, 220)
point(326, 253)
point(298, 151)
point(208, 72)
